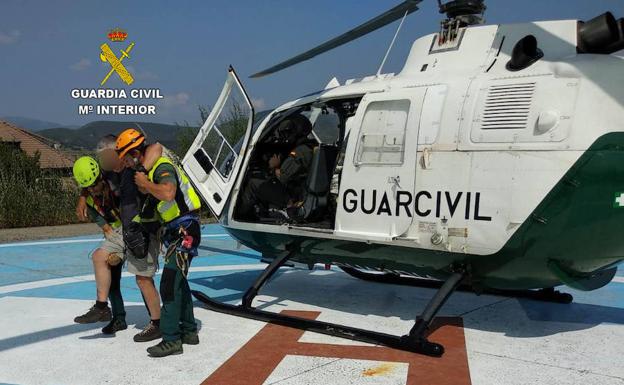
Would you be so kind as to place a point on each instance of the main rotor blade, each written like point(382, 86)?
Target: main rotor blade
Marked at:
point(385, 18)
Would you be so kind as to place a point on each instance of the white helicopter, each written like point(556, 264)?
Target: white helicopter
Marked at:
point(493, 161)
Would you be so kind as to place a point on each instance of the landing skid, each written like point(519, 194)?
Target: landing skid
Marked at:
point(545, 295)
point(415, 341)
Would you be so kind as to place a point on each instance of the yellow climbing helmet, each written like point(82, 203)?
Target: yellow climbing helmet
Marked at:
point(86, 171)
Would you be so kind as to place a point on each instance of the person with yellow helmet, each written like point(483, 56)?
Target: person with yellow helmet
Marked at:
point(176, 203)
point(103, 208)
point(107, 259)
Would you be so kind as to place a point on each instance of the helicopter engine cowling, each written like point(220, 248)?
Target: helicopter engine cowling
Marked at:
point(601, 35)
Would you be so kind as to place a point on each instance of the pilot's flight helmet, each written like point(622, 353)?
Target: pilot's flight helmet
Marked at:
point(294, 128)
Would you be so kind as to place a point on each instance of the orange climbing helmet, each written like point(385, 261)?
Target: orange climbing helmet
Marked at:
point(127, 140)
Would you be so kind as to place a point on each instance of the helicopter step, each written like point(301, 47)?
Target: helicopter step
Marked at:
point(415, 341)
point(544, 295)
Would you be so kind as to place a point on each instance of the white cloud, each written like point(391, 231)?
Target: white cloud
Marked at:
point(81, 64)
point(258, 104)
point(176, 100)
point(9, 37)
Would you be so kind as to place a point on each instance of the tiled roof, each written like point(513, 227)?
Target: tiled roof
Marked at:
point(31, 143)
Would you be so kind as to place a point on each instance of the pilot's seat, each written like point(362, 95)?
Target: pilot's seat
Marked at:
point(316, 196)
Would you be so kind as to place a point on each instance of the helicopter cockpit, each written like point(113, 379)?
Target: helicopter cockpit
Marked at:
point(294, 170)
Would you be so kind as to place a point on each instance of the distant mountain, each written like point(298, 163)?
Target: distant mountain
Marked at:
point(33, 125)
point(87, 136)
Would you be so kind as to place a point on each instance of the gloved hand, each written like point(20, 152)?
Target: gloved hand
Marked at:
point(136, 240)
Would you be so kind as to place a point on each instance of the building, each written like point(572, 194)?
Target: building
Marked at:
point(51, 158)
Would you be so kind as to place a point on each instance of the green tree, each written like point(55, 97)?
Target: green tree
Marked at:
point(30, 196)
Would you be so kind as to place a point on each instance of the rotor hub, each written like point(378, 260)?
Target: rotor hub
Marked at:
point(466, 12)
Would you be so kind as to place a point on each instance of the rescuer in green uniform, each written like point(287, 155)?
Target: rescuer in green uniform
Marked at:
point(177, 204)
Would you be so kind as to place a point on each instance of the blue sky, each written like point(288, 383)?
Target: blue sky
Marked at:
point(184, 47)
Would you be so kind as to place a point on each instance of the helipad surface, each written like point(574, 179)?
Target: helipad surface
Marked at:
point(489, 340)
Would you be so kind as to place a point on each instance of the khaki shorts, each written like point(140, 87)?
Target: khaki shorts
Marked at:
point(145, 267)
point(114, 243)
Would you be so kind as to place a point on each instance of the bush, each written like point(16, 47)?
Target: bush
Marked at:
point(30, 196)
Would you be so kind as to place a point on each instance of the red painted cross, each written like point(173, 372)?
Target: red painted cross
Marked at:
point(259, 357)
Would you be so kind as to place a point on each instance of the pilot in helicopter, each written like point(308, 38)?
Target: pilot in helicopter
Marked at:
point(287, 171)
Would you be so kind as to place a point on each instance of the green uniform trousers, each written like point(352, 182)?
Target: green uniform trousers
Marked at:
point(114, 293)
point(176, 316)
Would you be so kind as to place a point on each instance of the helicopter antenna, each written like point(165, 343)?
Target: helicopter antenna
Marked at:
point(391, 44)
point(140, 128)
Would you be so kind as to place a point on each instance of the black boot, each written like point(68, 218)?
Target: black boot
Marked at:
point(115, 325)
point(149, 333)
point(190, 338)
point(95, 314)
point(166, 348)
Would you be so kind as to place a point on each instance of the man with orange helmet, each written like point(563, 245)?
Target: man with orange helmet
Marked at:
point(140, 234)
point(173, 199)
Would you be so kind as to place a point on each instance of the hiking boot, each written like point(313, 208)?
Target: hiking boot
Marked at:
point(166, 348)
point(190, 338)
point(115, 325)
point(94, 314)
point(149, 333)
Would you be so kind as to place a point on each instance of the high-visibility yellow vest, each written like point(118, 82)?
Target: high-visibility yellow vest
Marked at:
point(186, 199)
point(112, 218)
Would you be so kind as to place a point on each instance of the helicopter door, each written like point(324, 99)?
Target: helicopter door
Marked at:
point(379, 171)
point(214, 159)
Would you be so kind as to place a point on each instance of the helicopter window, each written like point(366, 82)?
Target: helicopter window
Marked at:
point(230, 128)
point(325, 123)
point(382, 136)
